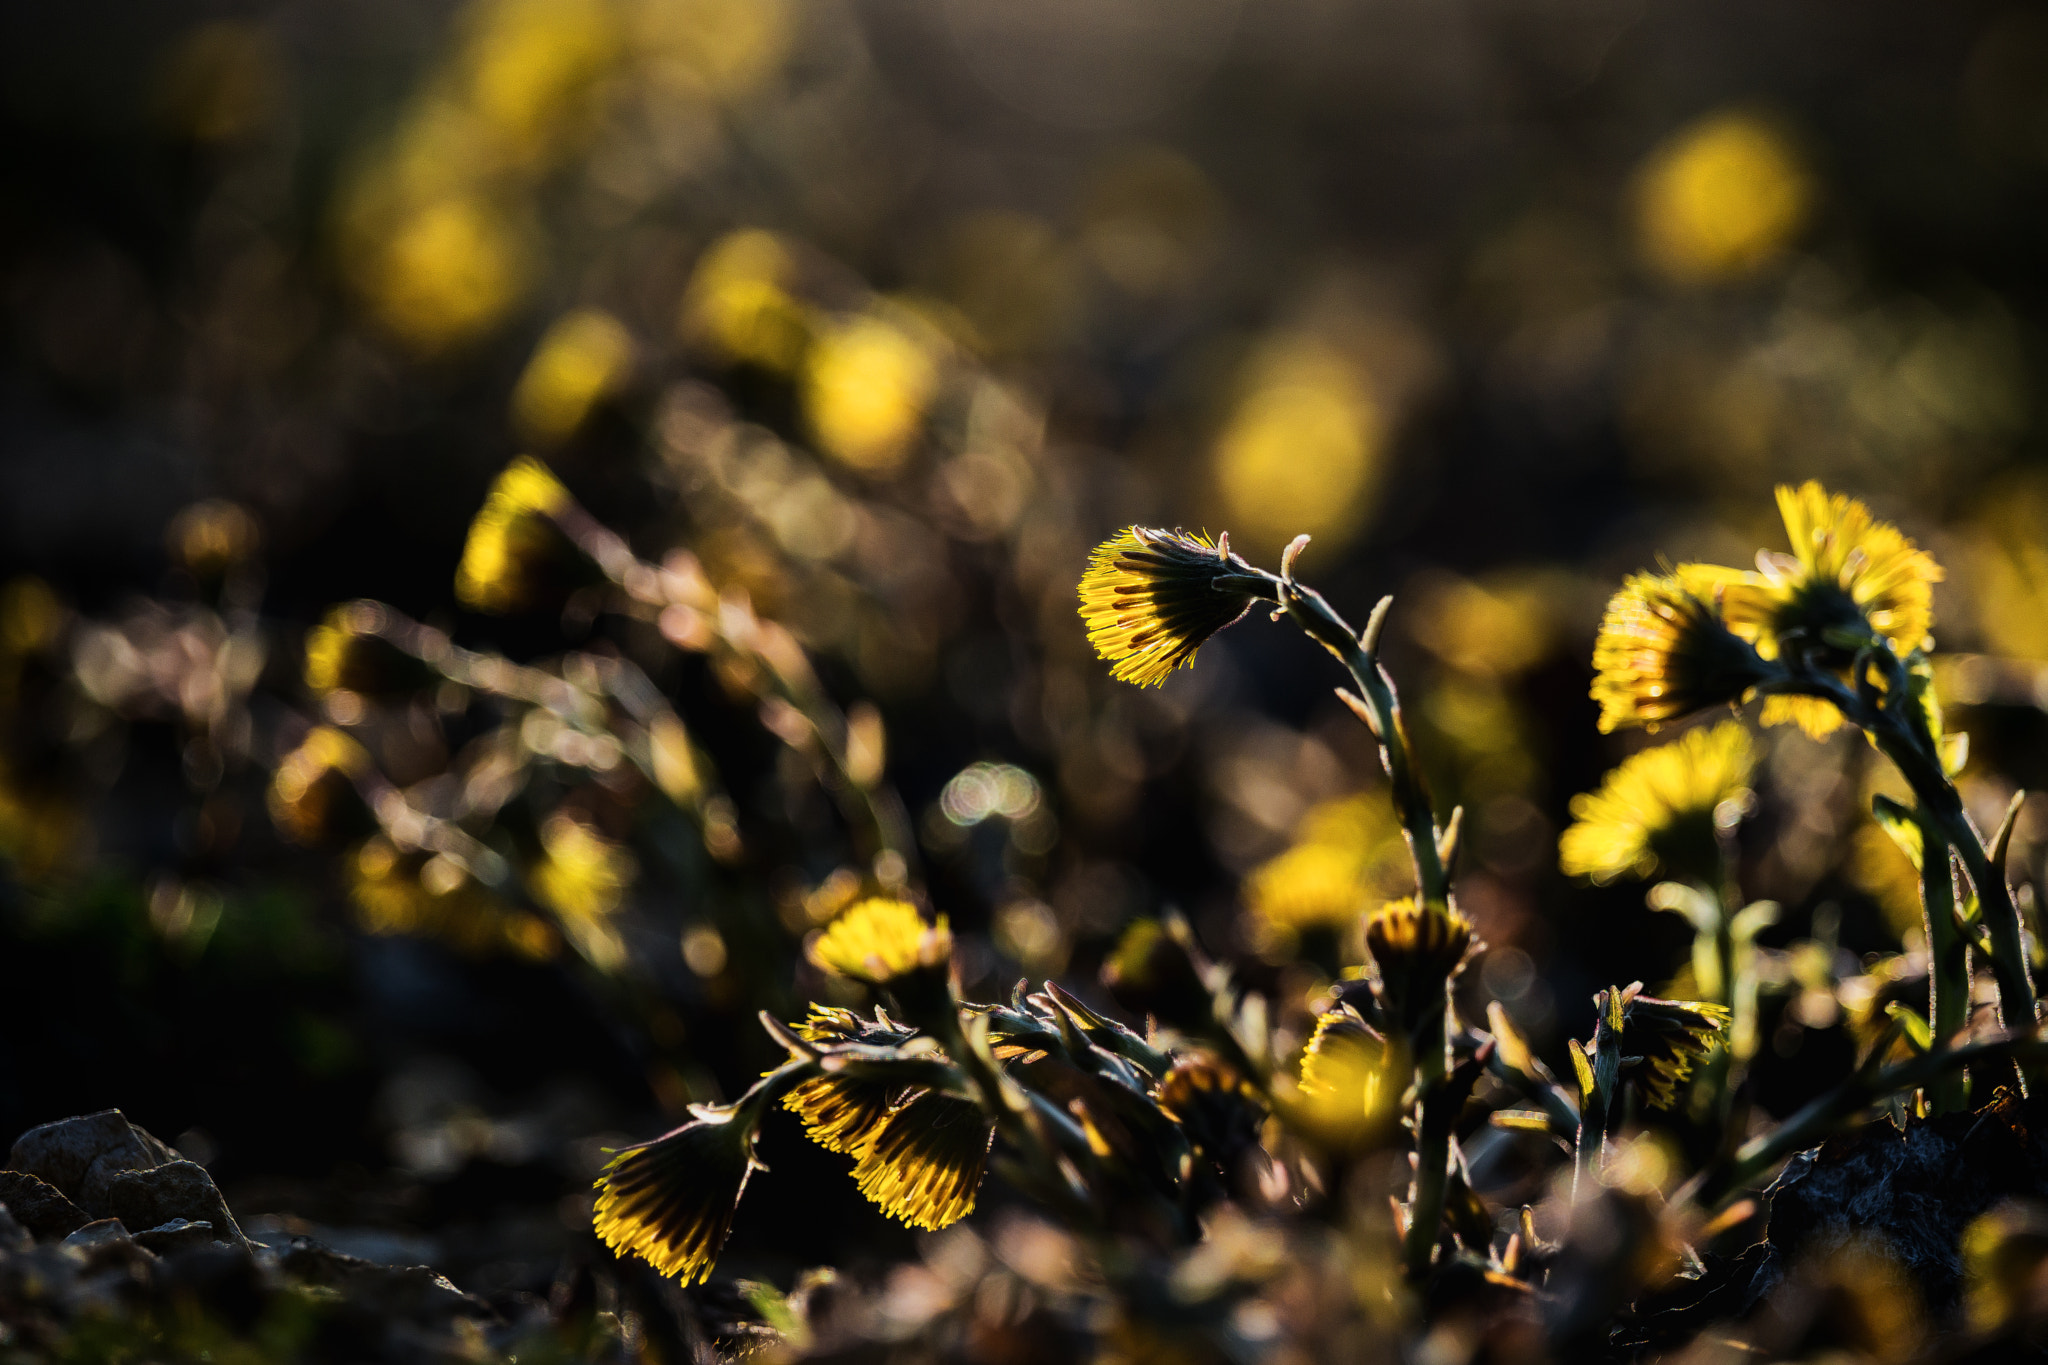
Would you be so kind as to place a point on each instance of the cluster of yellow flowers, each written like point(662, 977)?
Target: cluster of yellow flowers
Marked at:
point(1701, 635)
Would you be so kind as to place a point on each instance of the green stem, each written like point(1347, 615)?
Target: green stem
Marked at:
point(1383, 711)
point(1948, 974)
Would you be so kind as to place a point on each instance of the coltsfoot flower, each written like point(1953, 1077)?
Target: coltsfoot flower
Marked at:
point(1671, 1036)
point(880, 940)
point(1151, 598)
point(924, 1165)
point(671, 1201)
point(843, 1113)
point(1664, 650)
point(1418, 949)
point(1656, 812)
point(1851, 582)
point(510, 537)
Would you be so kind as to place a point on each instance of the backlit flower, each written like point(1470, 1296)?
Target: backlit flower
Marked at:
point(671, 1201)
point(1656, 811)
point(1418, 948)
point(1670, 1036)
point(1151, 598)
point(1851, 582)
point(1664, 650)
point(510, 537)
point(925, 1163)
point(879, 940)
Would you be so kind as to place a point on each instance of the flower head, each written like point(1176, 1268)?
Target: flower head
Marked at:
point(345, 652)
point(1418, 948)
point(671, 1201)
point(879, 940)
point(510, 536)
point(925, 1163)
point(1669, 1035)
point(1151, 598)
point(1851, 582)
point(1347, 854)
point(843, 1113)
point(1850, 578)
point(1664, 650)
point(1656, 811)
point(1347, 1089)
point(310, 777)
point(1217, 1108)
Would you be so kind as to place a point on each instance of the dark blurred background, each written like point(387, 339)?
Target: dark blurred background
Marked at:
point(887, 311)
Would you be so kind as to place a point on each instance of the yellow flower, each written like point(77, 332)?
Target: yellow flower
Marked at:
point(1347, 853)
point(671, 1201)
point(582, 876)
point(1656, 811)
point(1851, 581)
point(509, 536)
point(1310, 885)
point(345, 652)
point(1721, 198)
point(1151, 598)
point(866, 384)
point(1669, 1035)
point(1664, 650)
point(879, 940)
point(1418, 948)
point(924, 1165)
point(299, 794)
point(583, 359)
point(1344, 1090)
point(842, 1113)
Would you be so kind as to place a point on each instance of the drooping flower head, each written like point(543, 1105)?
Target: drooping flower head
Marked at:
point(925, 1163)
point(346, 653)
point(510, 537)
point(1217, 1108)
point(1671, 1036)
point(879, 940)
point(843, 1113)
point(311, 778)
point(1656, 812)
point(671, 1201)
point(1151, 598)
point(1664, 650)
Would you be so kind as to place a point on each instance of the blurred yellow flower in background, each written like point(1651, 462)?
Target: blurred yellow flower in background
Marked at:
point(878, 940)
point(445, 272)
point(1720, 199)
point(584, 358)
point(1660, 810)
point(1302, 448)
point(865, 385)
point(739, 302)
point(583, 876)
point(509, 536)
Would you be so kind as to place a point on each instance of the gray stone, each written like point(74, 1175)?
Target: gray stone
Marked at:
point(39, 1207)
point(407, 1293)
point(179, 1234)
point(79, 1156)
point(93, 1236)
point(178, 1190)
